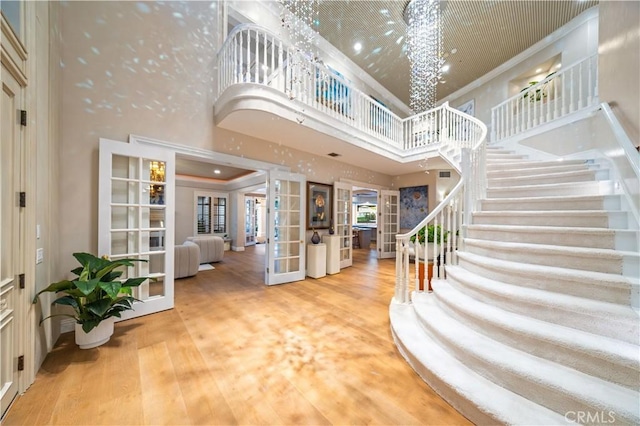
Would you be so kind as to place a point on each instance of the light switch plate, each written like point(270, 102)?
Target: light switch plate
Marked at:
point(39, 255)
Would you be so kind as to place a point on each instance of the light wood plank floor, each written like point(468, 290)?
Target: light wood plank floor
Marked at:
point(235, 351)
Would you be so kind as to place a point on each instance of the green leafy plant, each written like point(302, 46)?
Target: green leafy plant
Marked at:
point(96, 293)
point(538, 94)
point(433, 234)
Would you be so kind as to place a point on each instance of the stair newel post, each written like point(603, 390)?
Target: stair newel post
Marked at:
point(405, 282)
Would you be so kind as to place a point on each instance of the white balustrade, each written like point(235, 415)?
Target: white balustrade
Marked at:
point(559, 94)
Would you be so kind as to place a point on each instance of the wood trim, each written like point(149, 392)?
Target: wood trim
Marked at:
point(14, 55)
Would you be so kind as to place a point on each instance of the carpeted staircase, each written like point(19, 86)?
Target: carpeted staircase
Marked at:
point(536, 324)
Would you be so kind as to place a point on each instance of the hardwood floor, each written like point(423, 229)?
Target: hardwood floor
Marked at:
point(235, 351)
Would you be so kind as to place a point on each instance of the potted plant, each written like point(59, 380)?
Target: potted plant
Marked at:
point(97, 296)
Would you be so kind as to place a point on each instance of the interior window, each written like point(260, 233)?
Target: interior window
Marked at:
point(211, 214)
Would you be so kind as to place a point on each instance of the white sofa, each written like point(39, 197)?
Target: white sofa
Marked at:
point(186, 260)
point(211, 248)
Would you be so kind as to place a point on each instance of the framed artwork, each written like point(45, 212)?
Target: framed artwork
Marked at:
point(319, 199)
point(414, 205)
point(468, 107)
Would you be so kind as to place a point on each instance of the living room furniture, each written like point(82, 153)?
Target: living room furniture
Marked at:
point(316, 260)
point(186, 259)
point(211, 247)
point(333, 253)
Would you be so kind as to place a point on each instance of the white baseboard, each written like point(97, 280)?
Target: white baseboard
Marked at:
point(67, 325)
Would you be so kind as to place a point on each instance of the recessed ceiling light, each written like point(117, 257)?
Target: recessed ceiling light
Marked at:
point(558, 66)
point(217, 171)
point(454, 51)
point(539, 70)
point(445, 67)
point(357, 46)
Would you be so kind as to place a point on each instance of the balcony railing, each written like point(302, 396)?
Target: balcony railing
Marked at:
point(560, 94)
point(252, 54)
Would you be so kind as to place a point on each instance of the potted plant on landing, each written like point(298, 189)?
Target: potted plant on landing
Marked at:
point(96, 296)
point(433, 233)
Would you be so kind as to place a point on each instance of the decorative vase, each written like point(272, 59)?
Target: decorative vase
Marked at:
point(331, 230)
point(315, 238)
point(96, 337)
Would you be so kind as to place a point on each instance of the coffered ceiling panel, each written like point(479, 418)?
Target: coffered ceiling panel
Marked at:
point(478, 36)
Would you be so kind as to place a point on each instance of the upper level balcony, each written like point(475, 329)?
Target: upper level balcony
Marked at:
point(269, 90)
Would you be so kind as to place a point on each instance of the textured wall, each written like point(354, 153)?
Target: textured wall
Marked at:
point(619, 62)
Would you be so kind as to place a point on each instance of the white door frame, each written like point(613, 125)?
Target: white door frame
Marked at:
point(139, 246)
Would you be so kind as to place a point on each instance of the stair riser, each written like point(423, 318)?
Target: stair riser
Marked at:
point(582, 261)
point(583, 188)
point(540, 393)
point(621, 328)
point(562, 352)
point(605, 203)
point(493, 157)
point(534, 172)
point(590, 221)
point(557, 238)
point(594, 290)
point(587, 176)
point(525, 165)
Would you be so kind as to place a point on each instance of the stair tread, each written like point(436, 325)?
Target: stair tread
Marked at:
point(543, 175)
point(544, 270)
point(463, 380)
point(593, 391)
point(552, 229)
point(545, 212)
point(544, 169)
point(562, 301)
point(551, 198)
point(559, 249)
point(546, 185)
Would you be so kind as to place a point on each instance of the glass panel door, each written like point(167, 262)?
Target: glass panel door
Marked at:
point(388, 227)
point(136, 218)
point(342, 222)
point(285, 232)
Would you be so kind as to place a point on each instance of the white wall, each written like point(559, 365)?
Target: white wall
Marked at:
point(619, 62)
point(148, 69)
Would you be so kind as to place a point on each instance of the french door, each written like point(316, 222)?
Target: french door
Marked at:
point(342, 194)
point(286, 257)
point(136, 218)
point(11, 233)
point(388, 226)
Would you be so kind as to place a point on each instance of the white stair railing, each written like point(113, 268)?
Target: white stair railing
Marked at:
point(572, 89)
point(433, 243)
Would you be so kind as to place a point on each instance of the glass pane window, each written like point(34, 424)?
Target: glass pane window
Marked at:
point(203, 215)
point(220, 215)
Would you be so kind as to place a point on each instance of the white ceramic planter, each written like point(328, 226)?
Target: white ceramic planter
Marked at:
point(96, 337)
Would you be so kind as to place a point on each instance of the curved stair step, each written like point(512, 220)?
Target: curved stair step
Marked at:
point(566, 203)
point(614, 239)
point(611, 320)
point(463, 388)
point(566, 218)
point(544, 382)
point(548, 178)
point(597, 260)
point(586, 284)
point(530, 164)
point(602, 187)
point(537, 171)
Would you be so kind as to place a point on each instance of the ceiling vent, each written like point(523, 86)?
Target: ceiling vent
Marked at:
point(333, 154)
point(444, 174)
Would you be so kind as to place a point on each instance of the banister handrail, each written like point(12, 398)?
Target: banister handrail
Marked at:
point(574, 88)
point(547, 79)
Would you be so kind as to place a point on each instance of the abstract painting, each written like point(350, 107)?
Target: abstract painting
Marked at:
point(414, 205)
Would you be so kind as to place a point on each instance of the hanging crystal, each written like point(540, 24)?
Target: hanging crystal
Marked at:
point(424, 49)
point(299, 18)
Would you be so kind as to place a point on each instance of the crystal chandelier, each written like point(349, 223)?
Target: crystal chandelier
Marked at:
point(299, 17)
point(424, 49)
